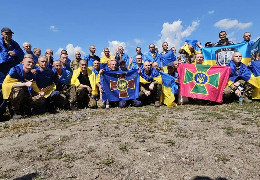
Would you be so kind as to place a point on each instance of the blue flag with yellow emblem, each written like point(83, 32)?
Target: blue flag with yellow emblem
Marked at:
point(222, 55)
point(120, 85)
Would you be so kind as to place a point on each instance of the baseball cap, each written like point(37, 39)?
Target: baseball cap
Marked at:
point(6, 29)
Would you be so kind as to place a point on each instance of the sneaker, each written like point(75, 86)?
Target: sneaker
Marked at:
point(157, 104)
point(246, 100)
point(73, 107)
point(17, 116)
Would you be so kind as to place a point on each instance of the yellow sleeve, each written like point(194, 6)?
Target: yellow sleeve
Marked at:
point(74, 79)
point(8, 85)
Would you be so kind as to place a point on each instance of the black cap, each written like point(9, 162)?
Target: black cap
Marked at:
point(7, 30)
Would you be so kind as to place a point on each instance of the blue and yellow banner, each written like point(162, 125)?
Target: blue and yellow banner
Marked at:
point(169, 89)
point(120, 85)
point(255, 69)
point(222, 55)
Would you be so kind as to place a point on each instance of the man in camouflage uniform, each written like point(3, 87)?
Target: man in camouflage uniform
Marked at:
point(238, 85)
point(63, 79)
point(75, 63)
point(17, 85)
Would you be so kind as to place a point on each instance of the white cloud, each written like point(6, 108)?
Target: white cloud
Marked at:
point(113, 46)
point(211, 12)
point(71, 51)
point(138, 41)
point(174, 33)
point(54, 29)
point(228, 24)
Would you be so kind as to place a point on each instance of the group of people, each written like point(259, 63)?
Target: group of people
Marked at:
point(32, 83)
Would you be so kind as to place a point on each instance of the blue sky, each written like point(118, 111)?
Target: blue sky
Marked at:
point(77, 24)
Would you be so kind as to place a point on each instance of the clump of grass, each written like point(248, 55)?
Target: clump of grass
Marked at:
point(169, 142)
point(70, 158)
point(222, 158)
point(108, 161)
point(124, 147)
point(5, 126)
point(229, 130)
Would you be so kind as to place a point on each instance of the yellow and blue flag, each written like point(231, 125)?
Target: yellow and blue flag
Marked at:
point(222, 55)
point(16, 75)
point(255, 69)
point(120, 85)
point(243, 73)
point(169, 89)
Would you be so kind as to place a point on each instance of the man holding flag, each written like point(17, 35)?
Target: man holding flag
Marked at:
point(240, 79)
point(150, 85)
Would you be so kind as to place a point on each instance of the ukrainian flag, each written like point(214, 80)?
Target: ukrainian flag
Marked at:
point(255, 68)
point(16, 75)
point(222, 55)
point(244, 73)
point(169, 88)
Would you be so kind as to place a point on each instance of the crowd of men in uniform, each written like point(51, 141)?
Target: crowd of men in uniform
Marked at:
point(32, 83)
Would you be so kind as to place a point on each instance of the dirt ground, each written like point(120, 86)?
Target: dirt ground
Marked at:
point(219, 142)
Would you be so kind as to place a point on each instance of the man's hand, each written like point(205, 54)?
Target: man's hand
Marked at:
point(151, 86)
point(33, 71)
point(89, 89)
point(130, 60)
point(198, 44)
point(101, 71)
point(238, 93)
point(147, 93)
point(28, 83)
point(11, 53)
point(177, 80)
point(101, 90)
point(42, 93)
point(237, 83)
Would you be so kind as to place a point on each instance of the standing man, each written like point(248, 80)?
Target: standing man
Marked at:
point(37, 52)
point(247, 36)
point(91, 57)
point(153, 55)
point(223, 39)
point(167, 56)
point(28, 50)
point(10, 52)
point(75, 63)
point(132, 61)
point(64, 61)
point(120, 55)
point(104, 61)
point(49, 55)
